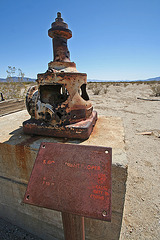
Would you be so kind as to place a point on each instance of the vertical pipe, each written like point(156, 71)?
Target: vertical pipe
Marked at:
point(73, 226)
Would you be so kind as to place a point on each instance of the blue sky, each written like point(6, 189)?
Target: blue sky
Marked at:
point(112, 39)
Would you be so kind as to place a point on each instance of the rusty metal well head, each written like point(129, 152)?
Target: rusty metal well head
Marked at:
point(60, 97)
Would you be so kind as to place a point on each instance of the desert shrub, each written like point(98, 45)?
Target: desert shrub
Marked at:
point(125, 84)
point(156, 90)
point(90, 85)
point(98, 87)
point(96, 91)
point(14, 87)
point(105, 90)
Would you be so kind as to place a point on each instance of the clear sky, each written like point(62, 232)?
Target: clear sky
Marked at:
point(112, 39)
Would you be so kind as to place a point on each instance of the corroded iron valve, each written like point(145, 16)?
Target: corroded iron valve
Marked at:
point(59, 105)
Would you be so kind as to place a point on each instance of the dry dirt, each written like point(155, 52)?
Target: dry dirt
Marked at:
point(141, 218)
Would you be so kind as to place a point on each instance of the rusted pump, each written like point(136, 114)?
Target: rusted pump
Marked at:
point(59, 105)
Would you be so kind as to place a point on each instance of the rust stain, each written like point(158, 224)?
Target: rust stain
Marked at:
point(21, 160)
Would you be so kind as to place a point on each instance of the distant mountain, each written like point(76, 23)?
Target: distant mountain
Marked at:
point(25, 79)
point(149, 79)
point(153, 79)
point(15, 79)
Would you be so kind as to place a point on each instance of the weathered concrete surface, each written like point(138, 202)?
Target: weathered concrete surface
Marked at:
point(17, 156)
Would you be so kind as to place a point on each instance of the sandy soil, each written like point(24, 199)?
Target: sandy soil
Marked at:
point(141, 218)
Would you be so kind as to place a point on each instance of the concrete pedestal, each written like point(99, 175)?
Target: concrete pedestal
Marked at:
point(17, 155)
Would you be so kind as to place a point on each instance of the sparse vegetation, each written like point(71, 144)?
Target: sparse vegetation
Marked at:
point(125, 84)
point(14, 87)
point(156, 90)
point(96, 91)
point(98, 87)
point(105, 90)
point(17, 89)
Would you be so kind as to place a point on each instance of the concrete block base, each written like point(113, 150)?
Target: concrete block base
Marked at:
point(17, 155)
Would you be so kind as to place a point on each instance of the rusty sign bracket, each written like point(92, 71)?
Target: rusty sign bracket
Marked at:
point(73, 179)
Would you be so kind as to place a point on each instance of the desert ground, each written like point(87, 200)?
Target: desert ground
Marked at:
point(141, 118)
point(138, 104)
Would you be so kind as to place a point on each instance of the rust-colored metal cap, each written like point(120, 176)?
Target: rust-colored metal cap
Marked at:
point(59, 28)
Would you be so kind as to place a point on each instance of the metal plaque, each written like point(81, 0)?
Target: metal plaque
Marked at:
point(72, 178)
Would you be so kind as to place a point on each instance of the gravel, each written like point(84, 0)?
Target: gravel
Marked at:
point(9, 231)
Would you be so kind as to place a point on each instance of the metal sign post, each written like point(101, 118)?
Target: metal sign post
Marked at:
point(73, 226)
point(73, 179)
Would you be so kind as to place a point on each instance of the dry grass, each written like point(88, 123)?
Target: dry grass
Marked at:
point(156, 90)
point(17, 90)
point(98, 88)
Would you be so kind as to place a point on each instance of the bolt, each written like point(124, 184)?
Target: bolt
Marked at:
point(104, 213)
